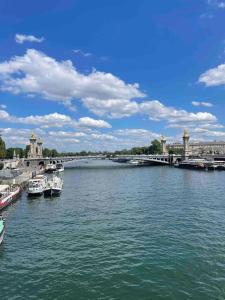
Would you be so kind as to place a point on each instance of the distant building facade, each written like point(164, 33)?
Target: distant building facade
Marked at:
point(35, 147)
point(201, 148)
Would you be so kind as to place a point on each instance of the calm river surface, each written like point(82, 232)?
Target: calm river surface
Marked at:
point(118, 232)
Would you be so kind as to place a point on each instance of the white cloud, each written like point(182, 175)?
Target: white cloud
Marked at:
point(37, 73)
point(221, 4)
point(136, 133)
point(201, 103)
point(4, 116)
point(102, 136)
point(63, 134)
point(217, 3)
point(159, 112)
point(3, 106)
point(214, 76)
point(51, 120)
point(54, 120)
point(79, 51)
point(21, 38)
point(113, 108)
point(89, 122)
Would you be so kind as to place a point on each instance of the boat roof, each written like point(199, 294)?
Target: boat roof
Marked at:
point(40, 177)
point(3, 187)
point(35, 179)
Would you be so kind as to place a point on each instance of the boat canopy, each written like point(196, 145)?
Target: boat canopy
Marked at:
point(3, 187)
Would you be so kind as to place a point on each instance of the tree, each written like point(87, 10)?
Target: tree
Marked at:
point(2, 148)
point(26, 150)
point(50, 152)
point(18, 151)
point(155, 148)
point(178, 151)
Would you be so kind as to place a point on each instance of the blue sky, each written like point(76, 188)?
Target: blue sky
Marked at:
point(106, 75)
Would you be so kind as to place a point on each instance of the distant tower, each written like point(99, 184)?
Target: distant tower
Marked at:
point(33, 146)
point(163, 143)
point(186, 144)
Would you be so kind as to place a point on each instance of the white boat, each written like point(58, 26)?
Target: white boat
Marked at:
point(50, 168)
point(59, 167)
point(54, 186)
point(2, 229)
point(37, 185)
point(134, 162)
point(8, 194)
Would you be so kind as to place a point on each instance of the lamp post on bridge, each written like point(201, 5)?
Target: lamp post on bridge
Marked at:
point(186, 144)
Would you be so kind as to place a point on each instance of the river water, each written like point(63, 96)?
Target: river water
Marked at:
point(118, 232)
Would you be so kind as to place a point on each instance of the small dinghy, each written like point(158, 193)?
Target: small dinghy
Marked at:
point(2, 229)
point(54, 186)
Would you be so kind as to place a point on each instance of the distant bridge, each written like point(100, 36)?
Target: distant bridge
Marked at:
point(157, 159)
point(151, 159)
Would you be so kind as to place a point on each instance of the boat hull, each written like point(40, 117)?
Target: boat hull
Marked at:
point(34, 194)
point(10, 199)
point(191, 167)
point(52, 192)
point(59, 170)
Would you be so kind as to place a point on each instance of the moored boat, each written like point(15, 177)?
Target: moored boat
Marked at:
point(220, 168)
point(194, 164)
point(134, 162)
point(50, 168)
point(59, 167)
point(37, 185)
point(2, 229)
point(54, 186)
point(8, 194)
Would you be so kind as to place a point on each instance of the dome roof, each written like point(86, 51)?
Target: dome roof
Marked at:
point(33, 137)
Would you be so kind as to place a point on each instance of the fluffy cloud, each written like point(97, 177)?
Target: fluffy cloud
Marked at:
point(113, 108)
point(214, 76)
point(3, 106)
point(62, 134)
point(89, 122)
point(102, 136)
point(54, 120)
point(159, 112)
point(205, 104)
point(217, 3)
point(4, 116)
point(51, 120)
point(21, 38)
point(37, 73)
point(136, 133)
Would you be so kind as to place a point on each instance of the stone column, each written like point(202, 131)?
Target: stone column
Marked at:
point(32, 152)
point(163, 143)
point(40, 148)
point(186, 144)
